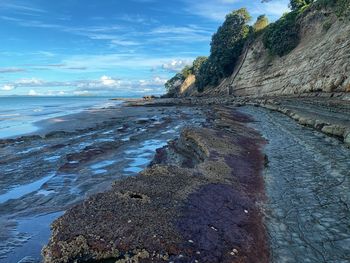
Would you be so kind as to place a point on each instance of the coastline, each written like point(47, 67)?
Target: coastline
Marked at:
point(207, 195)
point(213, 154)
point(206, 165)
point(65, 163)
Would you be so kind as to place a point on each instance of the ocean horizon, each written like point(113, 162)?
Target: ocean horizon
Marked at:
point(18, 114)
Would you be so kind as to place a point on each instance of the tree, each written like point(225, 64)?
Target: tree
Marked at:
point(298, 4)
point(261, 23)
point(186, 71)
point(197, 64)
point(226, 47)
point(282, 36)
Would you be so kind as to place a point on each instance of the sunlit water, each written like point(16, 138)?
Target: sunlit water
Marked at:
point(39, 180)
point(19, 114)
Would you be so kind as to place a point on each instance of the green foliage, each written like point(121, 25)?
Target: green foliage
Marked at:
point(197, 64)
point(187, 70)
point(298, 4)
point(226, 47)
point(341, 7)
point(261, 23)
point(282, 36)
point(173, 83)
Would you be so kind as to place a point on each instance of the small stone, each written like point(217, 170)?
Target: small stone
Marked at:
point(234, 252)
point(214, 228)
point(190, 241)
point(129, 221)
point(246, 211)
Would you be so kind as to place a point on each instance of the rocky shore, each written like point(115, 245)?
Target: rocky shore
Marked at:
point(217, 193)
point(328, 113)
point(198, 202)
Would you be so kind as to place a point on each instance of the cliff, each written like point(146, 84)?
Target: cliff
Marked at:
point(320, 63)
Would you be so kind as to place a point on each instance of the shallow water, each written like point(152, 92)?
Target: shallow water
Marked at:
point(40, 178)
point(308, 188)
point(18, 114)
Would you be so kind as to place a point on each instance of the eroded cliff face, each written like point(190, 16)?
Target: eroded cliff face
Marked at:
point(320, 63)
point(183, 88)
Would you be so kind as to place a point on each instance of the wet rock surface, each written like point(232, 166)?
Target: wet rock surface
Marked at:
point(204, 212)
point(42, 176)
point(307, 186)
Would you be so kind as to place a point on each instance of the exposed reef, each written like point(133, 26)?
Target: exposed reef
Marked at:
point(199, 207)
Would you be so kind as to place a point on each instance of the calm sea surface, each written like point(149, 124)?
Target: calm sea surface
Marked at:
point(19, 114)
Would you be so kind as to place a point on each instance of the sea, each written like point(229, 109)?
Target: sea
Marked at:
point(18, 114)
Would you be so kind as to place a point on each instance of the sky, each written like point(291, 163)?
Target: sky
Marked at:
point(107, 47)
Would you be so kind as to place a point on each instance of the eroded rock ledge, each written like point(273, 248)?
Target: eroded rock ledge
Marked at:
point(184, 208)
point(328, 113)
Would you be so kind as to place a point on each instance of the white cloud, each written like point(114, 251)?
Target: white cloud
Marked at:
point(8, 87)
point(33, 93)
point(105, 84)
point(176, 65)
point(29, 82)
point(109, 81)
point(21, 8)
point(11, 70)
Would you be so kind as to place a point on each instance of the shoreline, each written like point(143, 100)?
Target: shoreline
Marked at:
point(31, 122)
point(220, 160)
point(180, 193)
point(166, 192)
point(58, 170)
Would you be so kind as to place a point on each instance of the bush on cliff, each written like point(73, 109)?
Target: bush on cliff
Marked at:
point(282, 36)
point(198, 63)
point(226, 47)
point(298, 4)
point(341, 7)
point(175, 82)
point(261, 23)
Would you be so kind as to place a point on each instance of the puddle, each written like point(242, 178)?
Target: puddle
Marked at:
point(60, 190)
point(100, 171)
point(37, 231)
point(52, 158)
point(45, 192)
point(22, 190)
point(142, 156)
point(102, 164)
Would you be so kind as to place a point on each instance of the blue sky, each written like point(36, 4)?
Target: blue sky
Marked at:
point(107, 47)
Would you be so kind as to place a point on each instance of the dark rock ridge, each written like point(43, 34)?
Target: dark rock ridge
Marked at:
point(328, 113)
point(183, 208)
